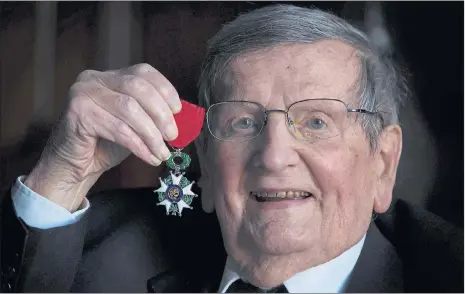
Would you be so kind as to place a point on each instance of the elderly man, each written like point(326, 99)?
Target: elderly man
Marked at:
point(299, 151)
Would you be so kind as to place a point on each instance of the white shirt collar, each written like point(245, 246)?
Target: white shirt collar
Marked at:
point(330, 277)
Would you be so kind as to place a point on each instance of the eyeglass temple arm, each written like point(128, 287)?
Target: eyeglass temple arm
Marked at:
point(359, 110)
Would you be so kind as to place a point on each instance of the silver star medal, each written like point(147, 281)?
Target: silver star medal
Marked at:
point(175, 190)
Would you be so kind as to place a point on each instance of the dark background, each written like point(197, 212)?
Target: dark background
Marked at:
point(428, 36)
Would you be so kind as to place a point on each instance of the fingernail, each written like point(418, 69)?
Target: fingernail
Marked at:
point(175, 104)
point(155, 161)
point(166, 154)
point(171, 132)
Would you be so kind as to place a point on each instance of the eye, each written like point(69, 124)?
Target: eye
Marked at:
point(243, 123)
point(316, 124)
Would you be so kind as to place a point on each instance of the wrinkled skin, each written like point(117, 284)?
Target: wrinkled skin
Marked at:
point(347, 180)
point(114, 113)
point(110, 115)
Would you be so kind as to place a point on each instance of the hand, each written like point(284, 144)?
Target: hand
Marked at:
point(109, 115)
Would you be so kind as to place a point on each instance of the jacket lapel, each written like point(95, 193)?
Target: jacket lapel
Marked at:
point(379, 268)
point(201, 270)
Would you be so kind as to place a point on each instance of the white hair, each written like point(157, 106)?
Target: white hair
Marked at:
point(382, 87)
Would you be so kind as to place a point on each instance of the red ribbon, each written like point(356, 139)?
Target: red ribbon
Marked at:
point(189, 121)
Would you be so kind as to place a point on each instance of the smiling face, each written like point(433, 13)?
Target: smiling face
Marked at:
point(273, 240)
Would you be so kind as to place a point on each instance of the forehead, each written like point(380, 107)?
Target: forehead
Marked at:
point(323, 69)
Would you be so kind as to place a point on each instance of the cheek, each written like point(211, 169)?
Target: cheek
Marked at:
point(344, 179)
point(228, 170)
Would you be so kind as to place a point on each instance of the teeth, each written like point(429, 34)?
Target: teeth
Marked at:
point(262, 194)
point(283, 194)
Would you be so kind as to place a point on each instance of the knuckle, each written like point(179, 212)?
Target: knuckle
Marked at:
point(127, 104)
point(131, 83)
point(144, 134)
point(78, 103)
point(86, 75)
point(142, 68)
point(71, 117)
point(166, 91)
point(75, 89)
point(153, 141)
point(128, 138)
point(164, 118)
point(122, 129)
point(139, 147)
point(125, 134)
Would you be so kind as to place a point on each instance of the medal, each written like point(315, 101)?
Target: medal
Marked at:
point(175, 192)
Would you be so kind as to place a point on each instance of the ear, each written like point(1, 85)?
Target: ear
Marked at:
point(201, 146)
point(388, 153)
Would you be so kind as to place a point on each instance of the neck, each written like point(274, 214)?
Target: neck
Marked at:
point(272, 271)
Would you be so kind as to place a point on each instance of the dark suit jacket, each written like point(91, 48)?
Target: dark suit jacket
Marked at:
point(126, 243)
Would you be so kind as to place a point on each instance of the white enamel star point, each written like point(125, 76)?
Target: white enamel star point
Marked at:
point(171, 194)
point(167, 205)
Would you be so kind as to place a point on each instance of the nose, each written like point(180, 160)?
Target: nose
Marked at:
point(276, 146)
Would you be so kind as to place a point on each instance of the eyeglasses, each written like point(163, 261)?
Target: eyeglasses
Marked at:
point(308, 120)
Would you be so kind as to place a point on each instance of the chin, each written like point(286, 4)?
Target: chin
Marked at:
point(273, 262)
point(273, 254)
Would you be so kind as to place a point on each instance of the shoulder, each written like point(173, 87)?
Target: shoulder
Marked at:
point(182, 238)
point(431, 249)
point(113, 208)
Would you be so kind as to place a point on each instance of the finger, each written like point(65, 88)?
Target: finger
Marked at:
point(109, 127)
point(158, 81)
point(147, 72)
point(89, 74)
point(148, 98)
point(127, 109)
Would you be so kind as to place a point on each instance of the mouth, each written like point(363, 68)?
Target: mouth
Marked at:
point(262, 196)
